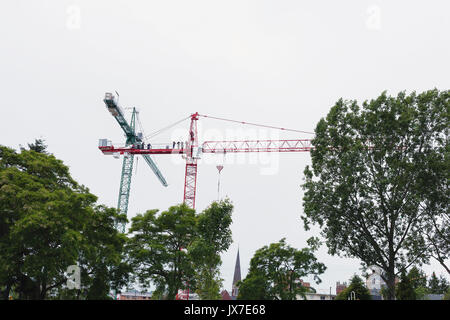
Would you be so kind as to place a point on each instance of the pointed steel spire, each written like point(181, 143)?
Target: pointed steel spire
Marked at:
point(237, 276)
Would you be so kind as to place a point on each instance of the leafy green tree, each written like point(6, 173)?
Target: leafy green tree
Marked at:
point(437, 235)
point(179, 249)
point(447, 295)
point(417, 277)
point(45, 218)
point(214, 237)
point(254, 287)
point(281, 267)
point(38, 146)
point(438, 285)
point(418, 280)
point(42, 212)
point(433, 284)
point(358, 287)
point(157, 249)
point(433, 185)
point(421, 293)
point(404, 289)
point(103, 259)
point(369, 171)
point(444, 284)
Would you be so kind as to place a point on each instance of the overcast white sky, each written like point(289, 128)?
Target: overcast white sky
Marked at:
point(281, 63)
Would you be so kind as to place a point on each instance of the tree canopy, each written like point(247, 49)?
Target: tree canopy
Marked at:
point(178, 249)
point(356, 290)
point(276, 270)
point(46, 225)
point(214, 238)
point(379, 180)
point(438, 285)
point(405, 289)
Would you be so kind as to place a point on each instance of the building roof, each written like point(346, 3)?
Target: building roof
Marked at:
point(225, 295)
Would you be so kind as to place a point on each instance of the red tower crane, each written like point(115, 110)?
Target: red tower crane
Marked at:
point(192, 151)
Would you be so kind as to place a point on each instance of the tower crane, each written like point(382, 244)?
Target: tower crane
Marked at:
point(132, 140)
point(191, 151)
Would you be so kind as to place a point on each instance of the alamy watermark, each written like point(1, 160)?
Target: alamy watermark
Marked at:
point(373, 21)
point(73, 17)
point(233, 153)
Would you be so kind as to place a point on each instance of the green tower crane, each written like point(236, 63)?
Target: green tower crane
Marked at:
point(132, 139)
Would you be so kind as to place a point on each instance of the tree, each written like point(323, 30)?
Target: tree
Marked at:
point(447, 295)
point(438, 285)
point(157, 249)
point(417, 277)
point(38, 146)
point(405, 289)
point(254, 287)
point(357, 286)
point(278, 268)
point(214, 237)
point(369, 170)
point(42, 212)
point(444, 284)
point(102, 258)
point(46, 223)
point(433, 185)
point(418, 280)
point(179, 249)
point(434, 284)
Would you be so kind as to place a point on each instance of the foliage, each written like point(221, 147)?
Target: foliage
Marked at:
point(103, 258)
point(421, 293)
point(370, 167)
point(438, 285)
point(358, 287)
point(178, 249)
point(214, 237)
point(156, 249)
point(38, 146)
point(45, 218)
point(418, 280)
point(277, 270)
point(417, 277)
point(447, 295)
point(404, 289)
point(254, 287)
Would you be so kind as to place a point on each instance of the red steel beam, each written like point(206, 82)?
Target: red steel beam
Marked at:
point(224, 147)
point(256, 146)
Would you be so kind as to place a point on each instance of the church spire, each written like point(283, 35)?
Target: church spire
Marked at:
point(236, 277)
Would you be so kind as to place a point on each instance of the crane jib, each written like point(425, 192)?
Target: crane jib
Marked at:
point(117, 113)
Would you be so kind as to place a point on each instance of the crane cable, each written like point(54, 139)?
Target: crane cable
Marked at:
point(145, 138)
point(255, 124)
point(155, 133)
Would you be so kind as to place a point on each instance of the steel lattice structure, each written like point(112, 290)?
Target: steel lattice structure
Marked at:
point(192, 151)
point(131, 140)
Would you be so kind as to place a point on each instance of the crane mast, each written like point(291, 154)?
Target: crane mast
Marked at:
point(132, 139)
point(190, 177)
